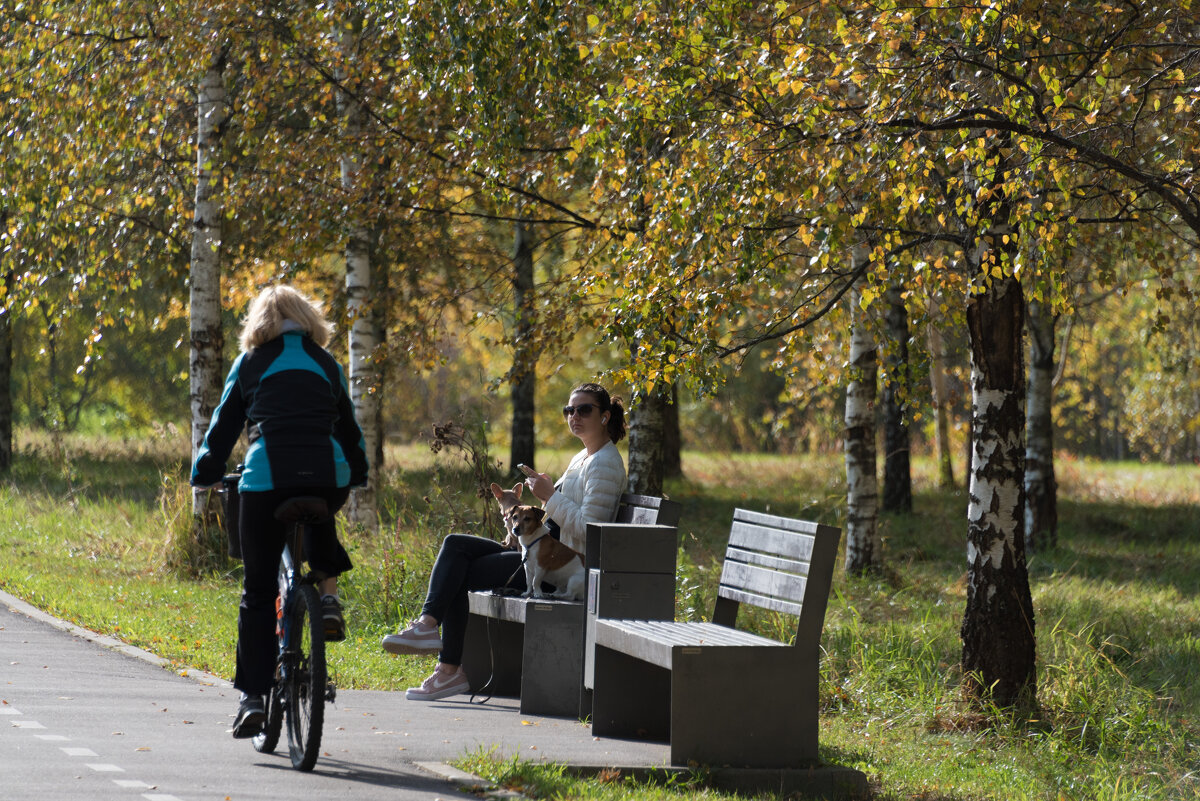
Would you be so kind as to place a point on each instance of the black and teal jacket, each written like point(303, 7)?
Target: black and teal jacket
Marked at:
point(291, 397)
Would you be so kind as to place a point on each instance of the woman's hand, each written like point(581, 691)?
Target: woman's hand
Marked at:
point(540, 485)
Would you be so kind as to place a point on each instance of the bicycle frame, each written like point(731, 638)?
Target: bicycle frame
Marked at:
point(288, 582)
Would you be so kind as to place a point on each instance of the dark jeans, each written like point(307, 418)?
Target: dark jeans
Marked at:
point(262, 545)
point(466, 563)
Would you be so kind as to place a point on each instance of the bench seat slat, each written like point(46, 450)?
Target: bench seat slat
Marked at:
point(652, 640)
point(507, 607)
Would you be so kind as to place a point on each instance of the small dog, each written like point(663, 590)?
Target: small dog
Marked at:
point(508, 499)
point(545, 558)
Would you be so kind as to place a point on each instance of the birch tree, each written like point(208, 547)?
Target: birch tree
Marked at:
point(365, 365)
point(1041, 487)
point(864, 547)
point(207, 339)
point(647, 433)
point(999, 643)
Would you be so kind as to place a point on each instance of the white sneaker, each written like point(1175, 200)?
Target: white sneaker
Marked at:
point(416, 639)
point(439, 685)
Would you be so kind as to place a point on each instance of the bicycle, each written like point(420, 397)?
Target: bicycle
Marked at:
point(302, 684)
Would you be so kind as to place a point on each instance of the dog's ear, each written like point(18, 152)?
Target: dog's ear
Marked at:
point(496, 490)
point(517, 489)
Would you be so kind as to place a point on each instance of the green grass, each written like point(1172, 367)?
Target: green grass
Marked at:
point(85, 525)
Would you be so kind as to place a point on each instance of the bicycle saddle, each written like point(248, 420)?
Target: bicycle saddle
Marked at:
point(302, 509)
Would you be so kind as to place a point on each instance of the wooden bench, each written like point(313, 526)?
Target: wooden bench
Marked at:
point(534, 649)
point(721, 696)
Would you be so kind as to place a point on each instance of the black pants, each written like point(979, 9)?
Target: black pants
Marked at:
point(262, 545)
point(463, 564)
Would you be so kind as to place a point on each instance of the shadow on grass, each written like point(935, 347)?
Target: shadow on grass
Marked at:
point(128, 476)
point(1123, 543)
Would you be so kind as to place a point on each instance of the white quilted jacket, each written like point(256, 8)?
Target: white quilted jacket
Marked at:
point(589, 491)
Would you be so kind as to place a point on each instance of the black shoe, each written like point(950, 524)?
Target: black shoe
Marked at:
point(331, 615)
point(251, 717)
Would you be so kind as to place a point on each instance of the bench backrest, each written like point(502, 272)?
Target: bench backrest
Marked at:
point(780, 564)
point(647, 510)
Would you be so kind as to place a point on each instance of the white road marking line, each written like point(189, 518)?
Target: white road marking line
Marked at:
point(131, 783)
point(104, 767)
point(58, 738)
point(160, 797)
point(78, 752)
point(8, 710)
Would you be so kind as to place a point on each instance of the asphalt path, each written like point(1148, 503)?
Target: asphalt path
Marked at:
point(86, 717)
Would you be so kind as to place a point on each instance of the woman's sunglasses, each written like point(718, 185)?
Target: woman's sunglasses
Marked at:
point(582, 410)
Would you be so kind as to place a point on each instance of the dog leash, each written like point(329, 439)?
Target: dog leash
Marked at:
point(492, 645)
point(488, 626)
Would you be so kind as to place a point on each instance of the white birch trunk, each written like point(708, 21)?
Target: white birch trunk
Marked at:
point(206, 337)
point(1041, 486)
point(646, 427)
point(863, 543)
point(999, 645)
point(364, 370)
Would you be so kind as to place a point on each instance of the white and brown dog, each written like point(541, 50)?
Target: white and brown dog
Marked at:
point(545, 558)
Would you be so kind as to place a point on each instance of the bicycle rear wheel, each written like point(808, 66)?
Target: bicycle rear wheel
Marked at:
point(305, 697)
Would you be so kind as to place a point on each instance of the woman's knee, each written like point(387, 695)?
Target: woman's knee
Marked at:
point(261, 598)
point(457, 542)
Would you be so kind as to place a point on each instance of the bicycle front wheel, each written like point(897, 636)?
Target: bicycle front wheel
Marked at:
point(305, 698)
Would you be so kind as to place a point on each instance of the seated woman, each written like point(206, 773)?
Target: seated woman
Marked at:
point(589, 491)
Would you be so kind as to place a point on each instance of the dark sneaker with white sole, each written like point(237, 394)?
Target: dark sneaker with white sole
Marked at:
point(334, 621)
point(251, 717)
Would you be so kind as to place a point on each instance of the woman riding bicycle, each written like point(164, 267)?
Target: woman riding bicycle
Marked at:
point(290, 395)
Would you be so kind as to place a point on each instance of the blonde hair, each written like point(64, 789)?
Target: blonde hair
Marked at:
point(267, 313)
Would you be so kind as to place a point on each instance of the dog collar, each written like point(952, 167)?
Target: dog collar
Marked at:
point(529, 547)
